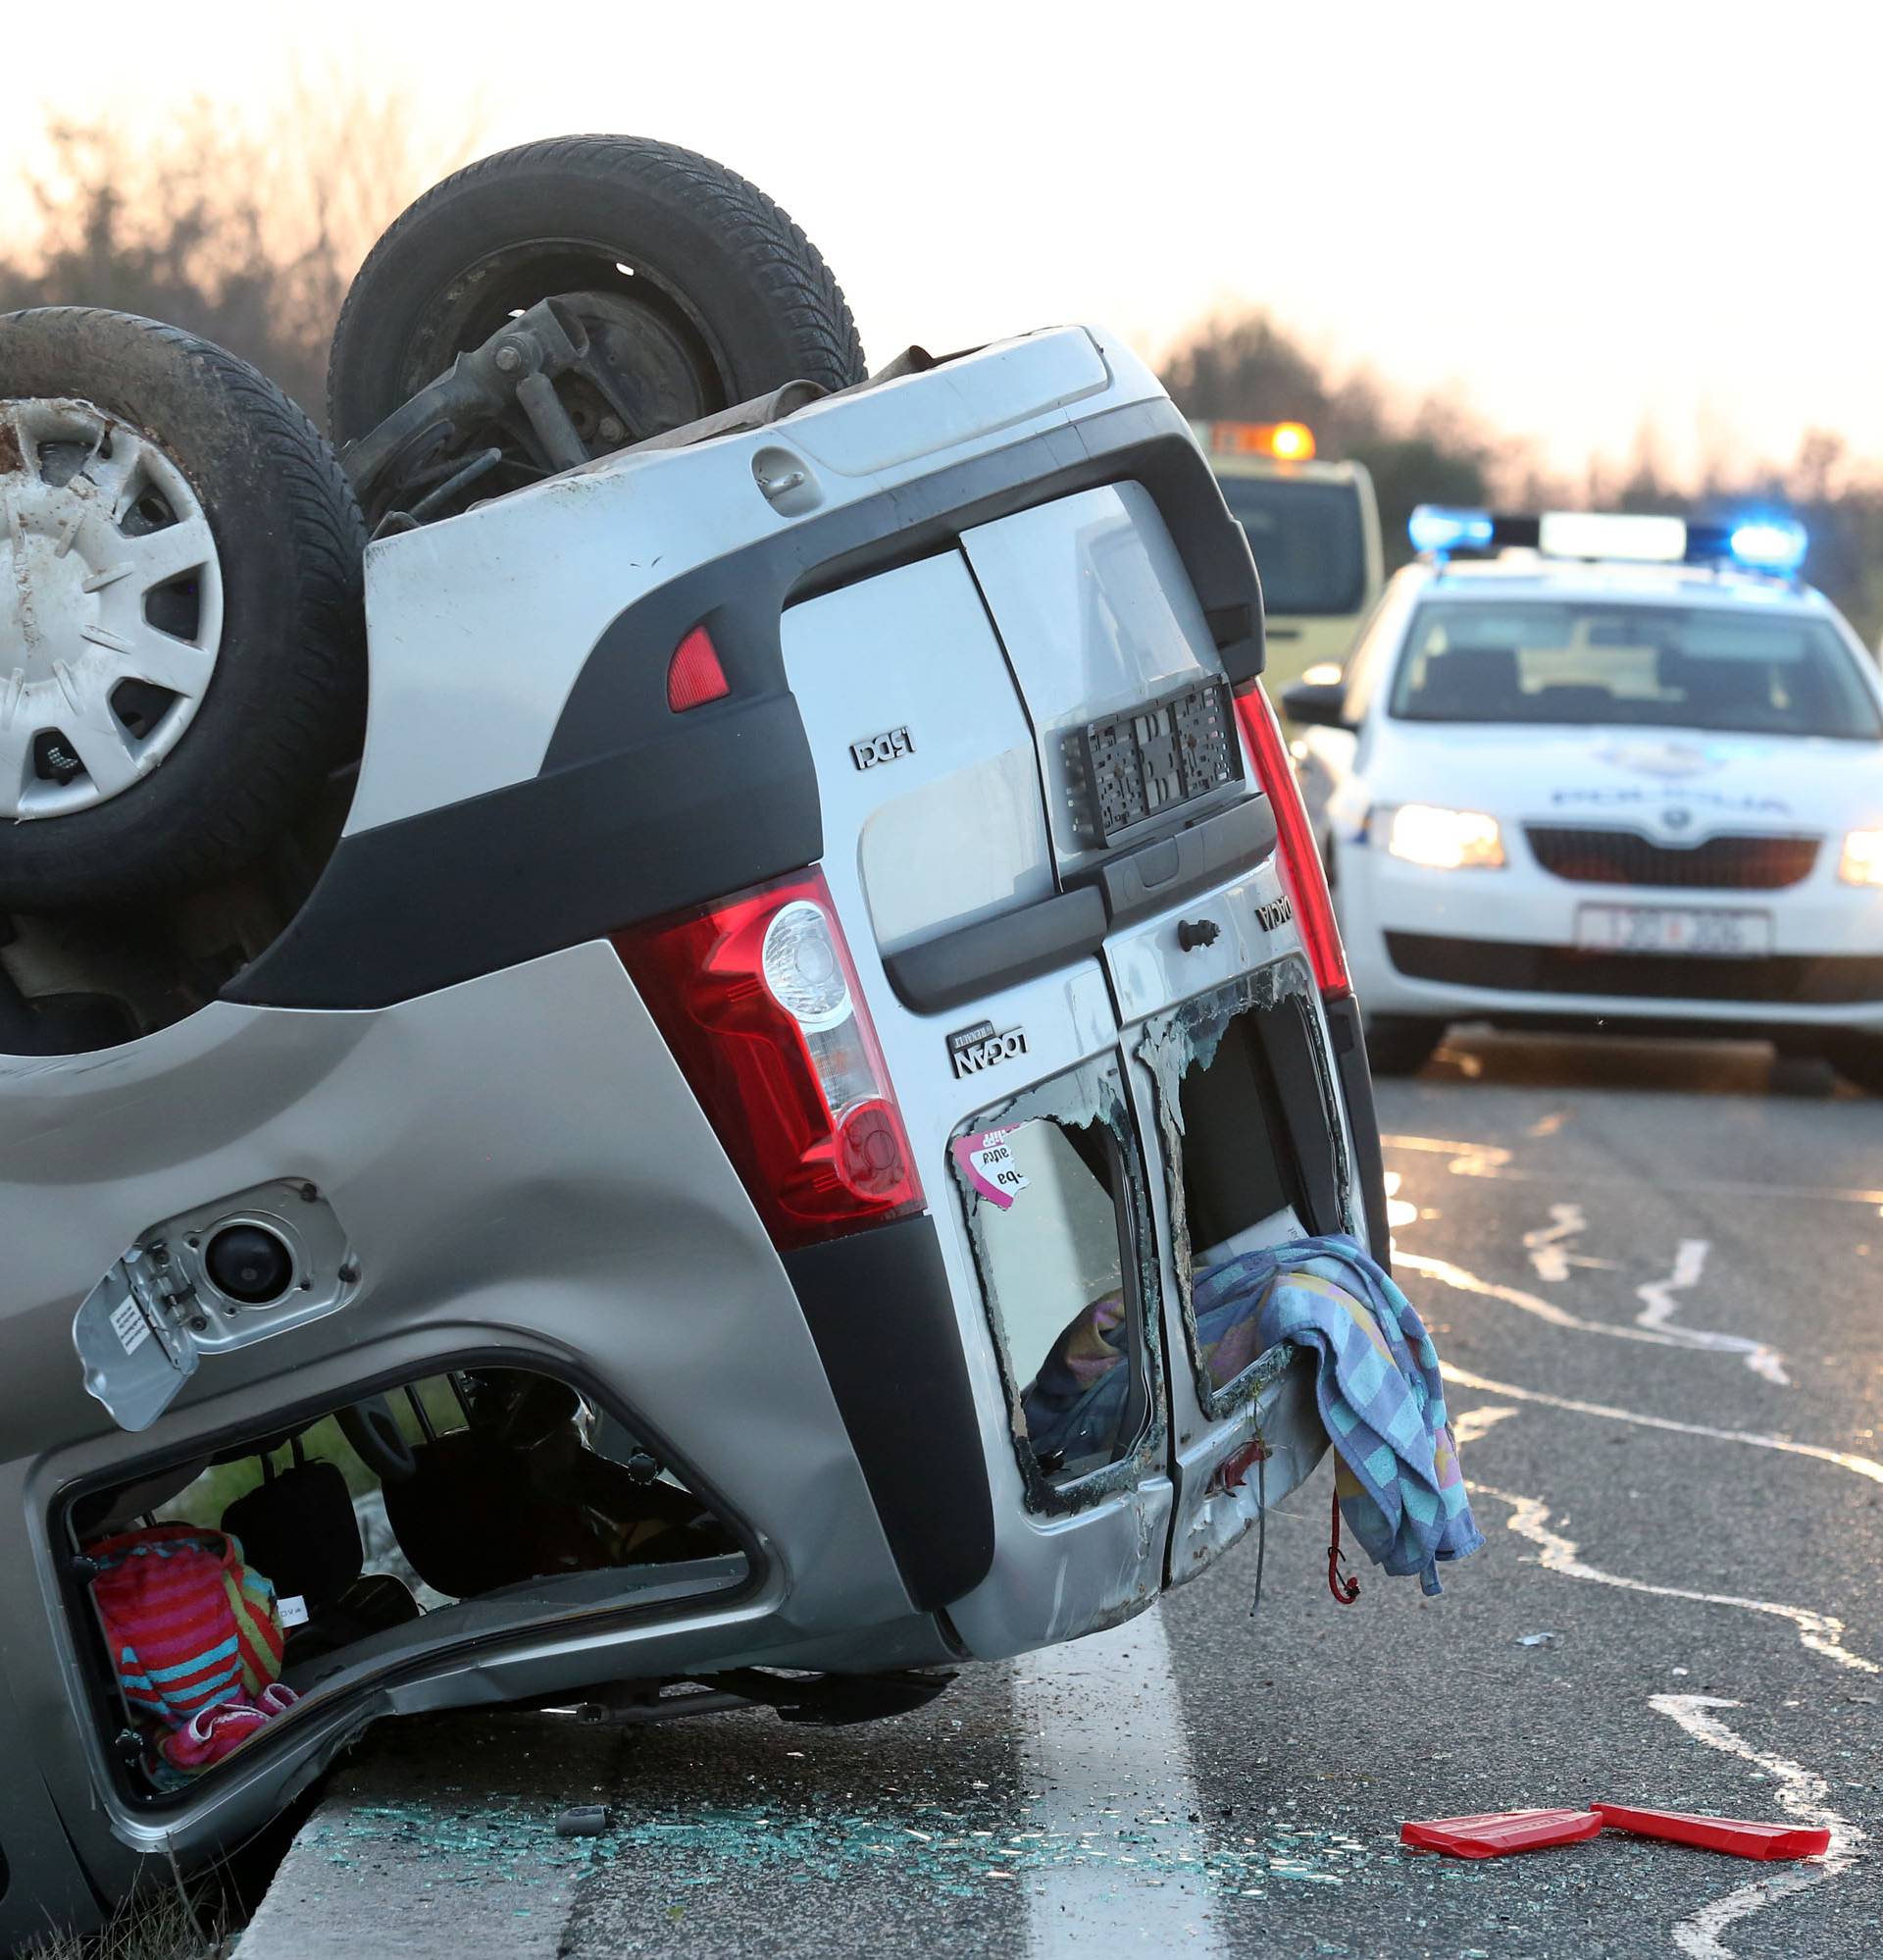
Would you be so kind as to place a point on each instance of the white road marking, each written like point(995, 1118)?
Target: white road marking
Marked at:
point(1658, 1296)
point(1658, 1308)
point(1800, 1792)
point(1821, 1633)
point(1101, 1731)
point(1468, 1160)
point(1473, 1423)
point(1479, 1159)
point(1399, 1211)
point(1842, 1459)
point(1757, 1353)
point(1548, 1253)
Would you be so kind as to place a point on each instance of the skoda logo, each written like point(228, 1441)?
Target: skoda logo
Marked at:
point(1677, 818)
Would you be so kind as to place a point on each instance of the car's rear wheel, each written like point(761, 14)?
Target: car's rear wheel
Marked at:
point(182, 656)
point(695, 289)
point(1400, 1043)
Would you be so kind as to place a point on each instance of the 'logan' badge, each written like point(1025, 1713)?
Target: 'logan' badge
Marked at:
point(971, 1050)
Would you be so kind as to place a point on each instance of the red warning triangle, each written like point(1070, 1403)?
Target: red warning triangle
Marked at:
point(1497, 1833)
point(1718, 1834)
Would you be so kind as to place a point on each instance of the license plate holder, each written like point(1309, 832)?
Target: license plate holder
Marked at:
point(1138, 765)
point(1694, 931)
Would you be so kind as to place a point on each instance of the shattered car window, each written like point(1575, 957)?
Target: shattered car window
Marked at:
point(227, 1589)
point(1254, 1151)
point(1051, 1195)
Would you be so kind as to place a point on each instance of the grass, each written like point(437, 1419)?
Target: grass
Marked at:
point(163, 1927)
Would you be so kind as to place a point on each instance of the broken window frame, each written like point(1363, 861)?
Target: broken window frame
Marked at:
point(1167, 1046)
point(1092, 1092)
point(568, 1603)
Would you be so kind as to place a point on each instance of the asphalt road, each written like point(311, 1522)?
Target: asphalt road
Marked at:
point(1656, 1287)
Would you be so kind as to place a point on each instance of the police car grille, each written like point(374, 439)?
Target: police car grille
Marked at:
point(1596, 856)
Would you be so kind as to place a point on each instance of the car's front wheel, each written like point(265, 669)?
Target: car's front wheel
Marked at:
point(1859, 1058)
point(1400, 1043)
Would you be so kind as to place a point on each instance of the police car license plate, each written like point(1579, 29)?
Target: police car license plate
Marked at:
point(1721, 935)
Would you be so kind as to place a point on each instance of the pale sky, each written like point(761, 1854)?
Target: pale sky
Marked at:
point(1577, 216)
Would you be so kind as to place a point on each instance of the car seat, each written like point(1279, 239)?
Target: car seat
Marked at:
point(1734, 688)
point(1470, 684)
point(1573, 701)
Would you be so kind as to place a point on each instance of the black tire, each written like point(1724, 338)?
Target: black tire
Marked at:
point(285, 703)
point(1400, 1043)
point(727, 300)
point(1859, 1058)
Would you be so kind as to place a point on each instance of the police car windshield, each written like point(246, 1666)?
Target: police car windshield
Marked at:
point(1306, 542)
point(1605, 663)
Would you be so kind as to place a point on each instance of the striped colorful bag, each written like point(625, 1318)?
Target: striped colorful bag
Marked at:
point(191, 1626)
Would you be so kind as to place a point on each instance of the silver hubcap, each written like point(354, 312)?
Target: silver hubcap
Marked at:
point(110, 607)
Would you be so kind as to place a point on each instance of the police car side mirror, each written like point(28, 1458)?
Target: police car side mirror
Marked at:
point(1315, 703)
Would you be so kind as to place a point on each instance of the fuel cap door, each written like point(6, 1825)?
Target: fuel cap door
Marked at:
point(218, 1276)
point(132, 1342)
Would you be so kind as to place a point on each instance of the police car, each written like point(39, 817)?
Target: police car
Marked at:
point(1592, 768)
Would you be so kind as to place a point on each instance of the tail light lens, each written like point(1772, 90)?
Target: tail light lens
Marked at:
point(1303, 873)
point(694, 676)
point(759, 1003)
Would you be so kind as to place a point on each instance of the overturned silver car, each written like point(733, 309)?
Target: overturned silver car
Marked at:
point(630, 1176)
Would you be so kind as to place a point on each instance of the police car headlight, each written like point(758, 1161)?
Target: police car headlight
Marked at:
point(1445, 840)
point(1862, 859)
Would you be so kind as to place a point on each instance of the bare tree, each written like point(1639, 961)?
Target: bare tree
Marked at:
point(250, 239)
point(1248, 367)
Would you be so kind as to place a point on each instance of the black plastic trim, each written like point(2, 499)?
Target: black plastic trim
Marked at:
point(998, 953)
point(881, 1312)
point(486, 883)
point(637, 810)
point(1171, 870)
point(1357, 1092)
point(1777, 979)
point(1051, 932)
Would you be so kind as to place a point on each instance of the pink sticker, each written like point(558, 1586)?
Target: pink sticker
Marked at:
point(986, 1162)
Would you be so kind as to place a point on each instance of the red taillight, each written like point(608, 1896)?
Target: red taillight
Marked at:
point(1302, 872)
point(695, 674)
point(758, 1001)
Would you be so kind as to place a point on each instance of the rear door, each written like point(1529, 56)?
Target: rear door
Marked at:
point(1230, 1068)
point(1022, 744)
point(1012, 1082)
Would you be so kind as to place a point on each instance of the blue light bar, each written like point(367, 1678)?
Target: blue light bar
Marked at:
point(1433, 528)
point(1768, 544)
point(1774, 544)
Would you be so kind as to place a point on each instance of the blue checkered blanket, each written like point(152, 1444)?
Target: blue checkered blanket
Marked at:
point(1397, 1471)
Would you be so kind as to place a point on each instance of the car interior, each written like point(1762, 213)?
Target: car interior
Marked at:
point(474, 1484)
